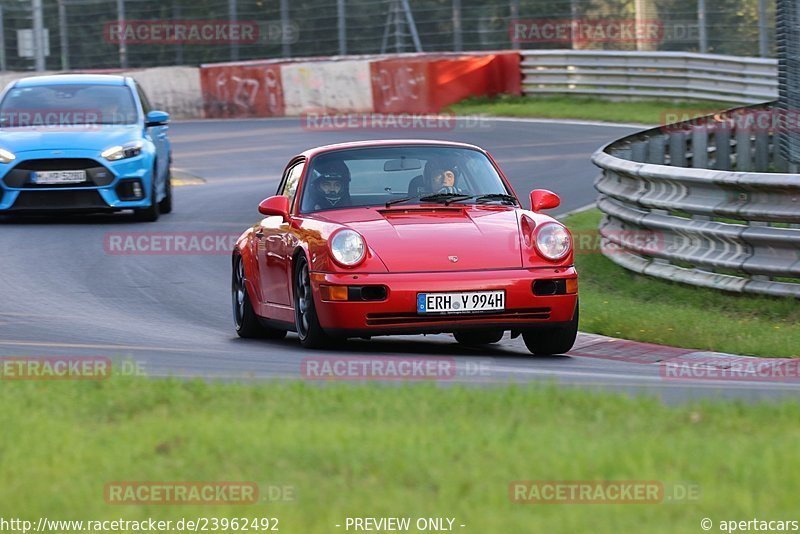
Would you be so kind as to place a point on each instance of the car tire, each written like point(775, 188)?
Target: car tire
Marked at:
point(245, 319)
point(165, 206)
point(480, 337)
point(150, 213)
point(311, 334)
point(550, 341)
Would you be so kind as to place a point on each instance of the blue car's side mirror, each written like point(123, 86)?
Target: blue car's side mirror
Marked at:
point(156, 118)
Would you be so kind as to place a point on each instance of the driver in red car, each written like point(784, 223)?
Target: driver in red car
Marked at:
point(331, 188)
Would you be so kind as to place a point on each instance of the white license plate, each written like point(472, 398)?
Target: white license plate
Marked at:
point(465, 302)
point(58, 177)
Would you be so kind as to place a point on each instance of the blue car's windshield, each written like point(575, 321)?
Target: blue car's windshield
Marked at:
point(66, 105)
point(400, 175)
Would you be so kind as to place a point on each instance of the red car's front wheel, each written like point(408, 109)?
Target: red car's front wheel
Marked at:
point(549, 341)
point(309, 331)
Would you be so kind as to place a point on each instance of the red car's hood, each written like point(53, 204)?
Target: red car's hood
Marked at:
point(429, 239)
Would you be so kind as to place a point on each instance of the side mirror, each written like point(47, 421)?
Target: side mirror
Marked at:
point(277, 205)
point(156, 118)
point(542, 199)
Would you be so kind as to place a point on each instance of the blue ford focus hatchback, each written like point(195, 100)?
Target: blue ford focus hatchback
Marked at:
point(83, 143)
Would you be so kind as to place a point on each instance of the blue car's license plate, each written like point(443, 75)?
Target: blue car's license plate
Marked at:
point(462, 302)
point(58, 177)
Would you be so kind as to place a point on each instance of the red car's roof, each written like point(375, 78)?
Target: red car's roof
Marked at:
point(386, 143)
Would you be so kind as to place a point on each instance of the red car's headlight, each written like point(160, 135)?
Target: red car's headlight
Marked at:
point(553, 241)
point(347, 248)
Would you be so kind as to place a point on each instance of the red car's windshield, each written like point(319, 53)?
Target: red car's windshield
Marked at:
point(375, 176)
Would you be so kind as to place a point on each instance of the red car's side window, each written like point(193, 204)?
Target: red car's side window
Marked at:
point(291, 182)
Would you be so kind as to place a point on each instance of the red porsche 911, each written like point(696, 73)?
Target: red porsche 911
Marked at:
point(405, 237)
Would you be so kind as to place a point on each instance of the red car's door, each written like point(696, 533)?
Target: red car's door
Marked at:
point(274, 255)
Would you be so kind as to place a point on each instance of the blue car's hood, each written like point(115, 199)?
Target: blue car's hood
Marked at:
point(97, 138)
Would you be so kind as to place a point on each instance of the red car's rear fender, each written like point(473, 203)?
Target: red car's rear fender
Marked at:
point(245, 247)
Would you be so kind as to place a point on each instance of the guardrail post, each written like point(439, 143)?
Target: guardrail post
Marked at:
point(699, 147)
point(677, 149)
point(762, 150)
point(722, 140)
point(655, 149)
point(759, 277)
point(639, 151)
point(744, 156)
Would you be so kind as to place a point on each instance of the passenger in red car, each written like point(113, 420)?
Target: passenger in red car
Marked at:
point(441, 178)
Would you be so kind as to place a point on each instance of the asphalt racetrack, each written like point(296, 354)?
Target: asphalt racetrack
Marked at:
point(64, 292)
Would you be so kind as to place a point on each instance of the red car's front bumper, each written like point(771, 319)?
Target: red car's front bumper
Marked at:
point(397, 313)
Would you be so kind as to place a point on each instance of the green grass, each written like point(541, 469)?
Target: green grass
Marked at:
point(649, 112)
point(619, 303)
point(376, 451)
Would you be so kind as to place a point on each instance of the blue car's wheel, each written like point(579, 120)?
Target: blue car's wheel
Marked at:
point(150, 213)
point(165, 206)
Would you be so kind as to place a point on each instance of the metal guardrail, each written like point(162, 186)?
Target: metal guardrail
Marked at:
point(627, 74)
point(713, 217)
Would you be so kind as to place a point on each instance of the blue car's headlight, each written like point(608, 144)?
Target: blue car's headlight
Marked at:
point(128, 150)
point(6, 156)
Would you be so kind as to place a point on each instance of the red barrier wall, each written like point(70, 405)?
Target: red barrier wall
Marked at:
point(416, 84)
point(242, 90)
point(429, 84)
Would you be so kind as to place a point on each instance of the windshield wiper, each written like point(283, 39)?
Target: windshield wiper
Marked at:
point(480, 199)
point(445, 198)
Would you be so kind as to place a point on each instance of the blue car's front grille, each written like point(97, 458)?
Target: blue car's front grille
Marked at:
point(86, 199)
point(20, 176)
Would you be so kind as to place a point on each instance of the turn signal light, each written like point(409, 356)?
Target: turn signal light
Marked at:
point(572, 286)
point(333, 292)
point(555, 286)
